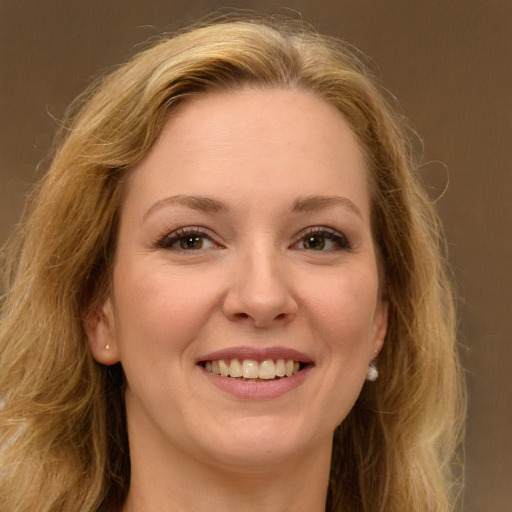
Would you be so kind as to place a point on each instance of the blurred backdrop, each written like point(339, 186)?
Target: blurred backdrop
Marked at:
point(449, 64)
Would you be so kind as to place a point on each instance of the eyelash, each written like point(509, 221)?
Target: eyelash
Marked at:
point(181, 234)
point(326, 233)
point(170, 239)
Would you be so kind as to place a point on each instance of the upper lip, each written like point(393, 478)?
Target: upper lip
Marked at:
point(257, 354)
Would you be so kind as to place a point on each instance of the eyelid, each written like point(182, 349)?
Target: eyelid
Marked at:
point(170, 238)
point(327, 232)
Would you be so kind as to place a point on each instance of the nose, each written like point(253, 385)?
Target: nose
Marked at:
point(259, 292)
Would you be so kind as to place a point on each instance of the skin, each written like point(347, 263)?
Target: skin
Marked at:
point(254, 282)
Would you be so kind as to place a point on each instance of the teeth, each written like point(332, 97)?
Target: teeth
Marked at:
point(235, 368)
point(267, 369)
point(280, 368)
point(215, 367)
point(289, 367)
point(224, 368)
point(250, 369)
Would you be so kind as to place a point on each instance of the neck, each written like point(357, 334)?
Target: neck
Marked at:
point(175, 482)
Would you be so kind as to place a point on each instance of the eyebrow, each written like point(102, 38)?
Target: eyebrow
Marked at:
point(210, 205)
point(199, 203)
point(314, 203)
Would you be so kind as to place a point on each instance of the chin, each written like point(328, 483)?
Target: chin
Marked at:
point(264, 442)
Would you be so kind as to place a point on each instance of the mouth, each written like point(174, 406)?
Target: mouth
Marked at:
point(252, 370)
point(248, 364)
point(250, 373)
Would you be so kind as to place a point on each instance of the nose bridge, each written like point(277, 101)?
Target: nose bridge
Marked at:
point(260, 289)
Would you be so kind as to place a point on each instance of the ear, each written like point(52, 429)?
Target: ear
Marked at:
point(101, 333)
point(379, 327)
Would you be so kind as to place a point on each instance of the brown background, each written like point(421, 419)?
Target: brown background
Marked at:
point(449, 64)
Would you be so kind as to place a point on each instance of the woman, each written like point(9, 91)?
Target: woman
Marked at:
point(229, 291)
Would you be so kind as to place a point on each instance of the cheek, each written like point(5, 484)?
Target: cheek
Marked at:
point(343, 309)
point(156, 307)
point(341, 320)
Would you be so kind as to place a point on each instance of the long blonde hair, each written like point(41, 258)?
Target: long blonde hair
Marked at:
point(63, 443)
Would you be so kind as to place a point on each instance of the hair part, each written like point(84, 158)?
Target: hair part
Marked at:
point(63, 441)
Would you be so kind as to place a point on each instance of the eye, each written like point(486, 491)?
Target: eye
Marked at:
point(187, 239)
point(321, 239)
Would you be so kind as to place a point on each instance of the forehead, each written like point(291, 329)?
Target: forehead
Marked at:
point(252, 116)
point(270, 140)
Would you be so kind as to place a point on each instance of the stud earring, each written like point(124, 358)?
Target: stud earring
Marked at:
point(372, 372)
point(107, 346)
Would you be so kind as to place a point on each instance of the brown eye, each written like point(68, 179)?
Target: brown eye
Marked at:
point(315, 242)
point(187, 239)
point(322, 239)
point(191, 242)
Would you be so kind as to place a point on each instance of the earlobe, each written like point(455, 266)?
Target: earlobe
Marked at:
point(101, 334)
point(380, 325)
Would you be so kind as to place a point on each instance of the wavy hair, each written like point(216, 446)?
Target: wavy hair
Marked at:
point(63, 441)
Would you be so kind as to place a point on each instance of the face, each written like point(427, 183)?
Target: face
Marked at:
point(244, 249)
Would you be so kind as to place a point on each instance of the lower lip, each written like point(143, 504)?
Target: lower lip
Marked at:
point(257, 390)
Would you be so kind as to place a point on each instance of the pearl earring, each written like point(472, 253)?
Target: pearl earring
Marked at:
point(372, 372)
point(107, 346)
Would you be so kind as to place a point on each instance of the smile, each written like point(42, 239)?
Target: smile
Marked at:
point(250, 373)
point(251, 370)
